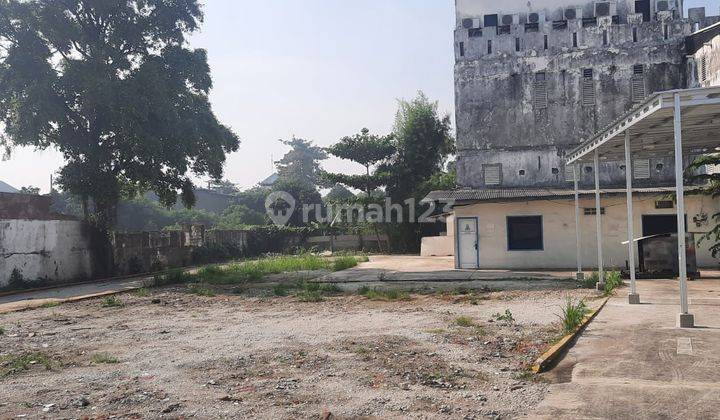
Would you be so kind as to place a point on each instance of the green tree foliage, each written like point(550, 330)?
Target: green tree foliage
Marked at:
point(254, 199)
point(223, 187)
point(141, 214)
point(115, 88)
point(423, 143)
point(302, 163)
point(304, 194)
point(368, 150)
point(339, 194)
point(240, 217)
point(30, 190)
point(711, 186)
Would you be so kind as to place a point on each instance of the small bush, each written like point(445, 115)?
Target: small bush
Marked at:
point(506, 317)
point(590, 282)
point(573, 314)
point(2, 331)
point(281, 290)
point(142, 292)
point(111, 302)
point(103, 358)
point(175, 276)
point(613, 280)
point(52, 304)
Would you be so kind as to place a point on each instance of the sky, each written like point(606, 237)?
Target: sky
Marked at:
point(315, 69)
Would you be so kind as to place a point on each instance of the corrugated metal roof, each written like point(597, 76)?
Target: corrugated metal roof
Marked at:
point(530, 193)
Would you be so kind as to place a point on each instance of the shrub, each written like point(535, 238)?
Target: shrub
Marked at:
point(590, 282)
point(142, 292)
point(310, 296)
point(573, 314)
point(197, 289)
point(613, 280)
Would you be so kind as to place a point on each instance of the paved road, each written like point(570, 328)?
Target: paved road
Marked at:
point(633, 363)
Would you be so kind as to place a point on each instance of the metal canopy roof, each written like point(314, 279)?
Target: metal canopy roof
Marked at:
point(652, 131)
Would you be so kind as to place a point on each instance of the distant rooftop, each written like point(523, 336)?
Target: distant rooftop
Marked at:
point(269, 181)
point(7, 188)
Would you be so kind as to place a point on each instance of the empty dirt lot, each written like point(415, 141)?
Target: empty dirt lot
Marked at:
point(169, 353)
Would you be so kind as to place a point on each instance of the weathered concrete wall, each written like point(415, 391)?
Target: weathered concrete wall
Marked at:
point(349, 242)
point(27, 206)
point(706, 64)
point(499, 117)
point(559, 231)
point(45, 251)
point(437, 246)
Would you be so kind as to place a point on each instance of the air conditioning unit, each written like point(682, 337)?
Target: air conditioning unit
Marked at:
point(573, 13)
point(665, 5)
point(536, 17)
point(506, 20)
point(604, 21)
point(635, 18)
point(605, 8)
point(665, 15)
point(470, 23)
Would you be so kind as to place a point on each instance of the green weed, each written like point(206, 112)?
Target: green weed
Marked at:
point(464, 321)
point(2, 331)
point(506, 317)
point(142, 292)
point(573, 314)
point(103, 358)
point(310, 296)
point(111, 302)
point(590, 282)
point(12, 364)
point(197, 289)
point(386, 295)
point(343, 263)
point(52, 304)
point(613, 280)
point(281, 290)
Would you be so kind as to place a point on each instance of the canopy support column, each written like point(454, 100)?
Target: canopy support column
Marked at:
point(633, 297)
point(580, 275)
point(598, 222)
point(685, 318)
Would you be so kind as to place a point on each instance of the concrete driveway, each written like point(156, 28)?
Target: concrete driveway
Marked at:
point(632, 362)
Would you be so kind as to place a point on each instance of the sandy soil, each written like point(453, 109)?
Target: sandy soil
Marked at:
point(183, 355)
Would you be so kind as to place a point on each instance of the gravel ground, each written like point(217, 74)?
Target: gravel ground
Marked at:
point(174, 354)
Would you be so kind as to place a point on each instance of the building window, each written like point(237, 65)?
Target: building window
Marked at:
point(492, 174)
point(521, 172)
point(475, 33)
point(606, 38)
point(638, 83)
point(666, 31)
point(462, 49)
point(641, 169)
point(525, 233)
point(545, 42)
point(592, 211)
point(517, 44)
point(703, 69)
point(540, 95)
point(575, 40)
point(664, 204)
point(569, 174)
point(634, 34)
point(587, 88)
point(489, 46)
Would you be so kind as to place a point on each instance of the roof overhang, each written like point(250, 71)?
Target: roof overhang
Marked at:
point(651, 128)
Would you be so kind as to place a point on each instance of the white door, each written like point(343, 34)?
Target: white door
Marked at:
point(467, 233)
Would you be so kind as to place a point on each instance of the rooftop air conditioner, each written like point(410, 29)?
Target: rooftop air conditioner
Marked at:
point(536, 17)
point(470, 23)
point(506, 20)
point(635, 18)
point(572, 13)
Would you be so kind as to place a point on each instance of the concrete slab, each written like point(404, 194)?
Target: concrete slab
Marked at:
point(632, 361)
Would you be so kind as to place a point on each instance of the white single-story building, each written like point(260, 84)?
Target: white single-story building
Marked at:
point(535, 228)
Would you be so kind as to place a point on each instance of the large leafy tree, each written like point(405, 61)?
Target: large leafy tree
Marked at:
point(423, 144)
point(302, 163)
point(368, 150)
point(112, 85)
point(703, 171)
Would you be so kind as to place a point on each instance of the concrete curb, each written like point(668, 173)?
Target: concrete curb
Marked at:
point(551, 355)
point(38, 303)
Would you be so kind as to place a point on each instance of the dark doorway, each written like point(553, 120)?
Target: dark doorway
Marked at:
point(659, 224)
